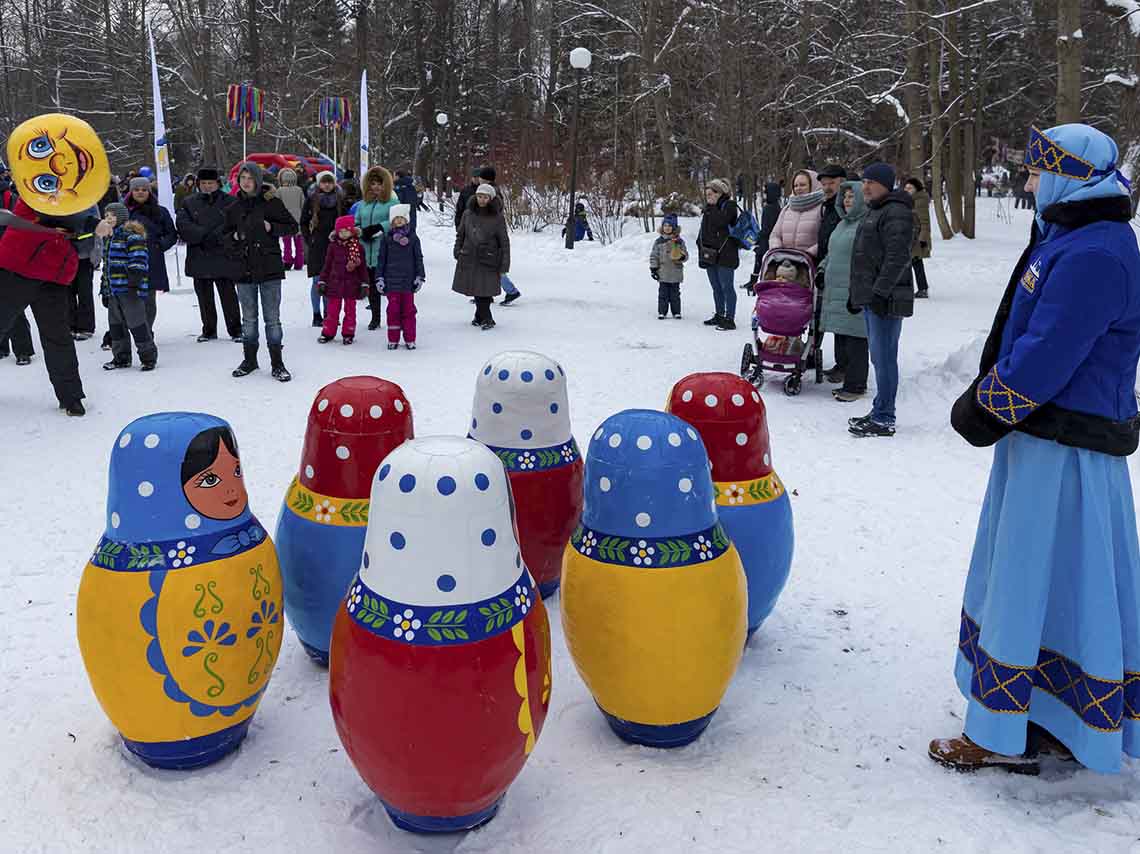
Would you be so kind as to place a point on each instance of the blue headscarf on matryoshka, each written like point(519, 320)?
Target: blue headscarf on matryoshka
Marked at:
point(647, 476)
point(1076, 162)
point(176, 481)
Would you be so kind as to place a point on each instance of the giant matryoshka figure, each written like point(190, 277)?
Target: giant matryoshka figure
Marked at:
point(522, 413)
point(179, 609)
point(439, 670)
point(751, 500)
point(654, 603)
point(353, 424)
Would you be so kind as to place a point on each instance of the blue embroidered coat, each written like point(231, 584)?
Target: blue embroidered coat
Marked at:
point(1060, 362)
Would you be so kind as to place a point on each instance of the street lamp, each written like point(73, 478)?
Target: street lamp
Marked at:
point(441, 120)
point(579, 61)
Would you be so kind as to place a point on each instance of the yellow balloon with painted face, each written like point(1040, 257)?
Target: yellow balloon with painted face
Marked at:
point(58, 164)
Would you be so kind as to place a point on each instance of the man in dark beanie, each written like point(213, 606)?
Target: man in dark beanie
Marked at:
point(831, 178)
point(881, 283)
point(201, 219)
point(466, 195)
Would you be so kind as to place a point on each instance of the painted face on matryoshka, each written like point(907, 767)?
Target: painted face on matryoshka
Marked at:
point(58, 164)
point(211, 475)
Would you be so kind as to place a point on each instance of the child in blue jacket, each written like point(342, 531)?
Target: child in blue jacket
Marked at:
point(400, 275)
point(125, 286)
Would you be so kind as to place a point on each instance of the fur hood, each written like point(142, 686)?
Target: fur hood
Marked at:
point(495, 207)
point(385, 178)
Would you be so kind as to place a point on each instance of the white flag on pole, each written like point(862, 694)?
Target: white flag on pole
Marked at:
point(161, 152)
point(363, 123)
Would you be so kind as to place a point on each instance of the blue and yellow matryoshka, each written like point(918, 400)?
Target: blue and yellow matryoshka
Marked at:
point(179, 610)
point(654, 600)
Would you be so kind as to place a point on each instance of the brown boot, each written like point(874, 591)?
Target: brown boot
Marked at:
point(963, 755)
point(1043, 743)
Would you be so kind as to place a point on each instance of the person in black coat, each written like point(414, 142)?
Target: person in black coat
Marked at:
point(200, 221)
point(405, 188)
point(324, 203)
point(719, 253)
point(465, 196)
point(161, 235)
point(769, 213)
point(255, 224)
point(831, 178)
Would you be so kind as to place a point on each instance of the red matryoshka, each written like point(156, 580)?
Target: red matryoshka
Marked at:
point(521, 412)
point(439, 674)
point(751, 500)
point(353, 424)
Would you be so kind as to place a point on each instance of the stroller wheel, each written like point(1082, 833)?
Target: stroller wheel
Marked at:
point(747, 360)
point(792, 385)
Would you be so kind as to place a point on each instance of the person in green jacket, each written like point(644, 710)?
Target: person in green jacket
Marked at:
point(372, 219)
point(851, 361)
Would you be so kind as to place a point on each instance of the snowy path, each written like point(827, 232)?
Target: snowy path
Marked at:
point(820, 743)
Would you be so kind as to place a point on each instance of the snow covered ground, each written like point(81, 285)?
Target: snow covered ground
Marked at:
point(820, 744)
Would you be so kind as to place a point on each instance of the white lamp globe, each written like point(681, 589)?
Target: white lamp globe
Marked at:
point(441, 119)
point(580, 58)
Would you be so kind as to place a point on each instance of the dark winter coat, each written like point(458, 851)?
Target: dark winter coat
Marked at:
point(160, 236)
point(482, 250)
point(201, 221)
point(255, 251)
point(318, 221)
point(829, 219)
point(714, 238)
point(339, 281)
point(400, 266)
point(465, 196)
point(406, 191)
point(880, 265)
point(921, 248)
point(769, 213)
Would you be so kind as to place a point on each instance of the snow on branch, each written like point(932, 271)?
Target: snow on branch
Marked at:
point(888, 98)
point(1129, 80)
point(870, 143)
point(1131, 12)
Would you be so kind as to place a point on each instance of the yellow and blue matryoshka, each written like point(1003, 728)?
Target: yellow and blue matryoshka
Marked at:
point(654, 599)
point(179, 608)
point(58, 164)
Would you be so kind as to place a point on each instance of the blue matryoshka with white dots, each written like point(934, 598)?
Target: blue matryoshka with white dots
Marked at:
point(654, 603)
point(179, 610)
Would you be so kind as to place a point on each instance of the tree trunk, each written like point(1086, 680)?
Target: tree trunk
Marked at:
point(1068, 61)
point(936, 135)
point(971, 82)
point(916, 151)
point(660, 103)
point(954, 117)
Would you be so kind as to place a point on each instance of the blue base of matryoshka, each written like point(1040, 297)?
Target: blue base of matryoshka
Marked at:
point(189, 753)
point(672, 735)
point(549, 589)
point(765, 538)
point(318, 563)
point(441, 824)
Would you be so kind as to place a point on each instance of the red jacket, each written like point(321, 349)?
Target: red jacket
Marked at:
point(341, 282)
point(36, 255)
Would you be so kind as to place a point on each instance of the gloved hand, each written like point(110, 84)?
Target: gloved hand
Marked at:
point(369, 232)
point(851, 309)
point(322, 288)
point(417, 284)
point(380, 286)
point(880, 305)
point(106, 301)
point(654, 274)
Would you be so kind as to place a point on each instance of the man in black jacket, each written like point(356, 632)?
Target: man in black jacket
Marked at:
point(255, 224)
point(881, 282)
point(200, 223)
point(465, 196)
point(831, 178)
point(405, 188)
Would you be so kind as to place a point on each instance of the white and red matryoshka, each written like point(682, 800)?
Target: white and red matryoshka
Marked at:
point(654, 603)
point(753, 504)
point(353, 424)
point(179, 608)
point(439, 674)
point(521, 412)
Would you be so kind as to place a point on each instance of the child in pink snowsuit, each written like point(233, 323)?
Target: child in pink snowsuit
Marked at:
point(400, 275)
point(343, 280)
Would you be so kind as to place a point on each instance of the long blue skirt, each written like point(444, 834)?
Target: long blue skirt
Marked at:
point(1050, 627)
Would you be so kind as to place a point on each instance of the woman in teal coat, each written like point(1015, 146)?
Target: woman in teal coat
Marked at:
point(849, 328)
point(372, 219)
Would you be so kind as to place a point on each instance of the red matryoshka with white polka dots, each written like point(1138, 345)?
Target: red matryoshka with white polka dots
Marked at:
point(522, 413)
point(751, 500)
point(439, 670)
point(353, 424)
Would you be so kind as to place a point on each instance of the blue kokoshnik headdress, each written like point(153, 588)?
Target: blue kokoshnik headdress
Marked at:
point(1046, 154)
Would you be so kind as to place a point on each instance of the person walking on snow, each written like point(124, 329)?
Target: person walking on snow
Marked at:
point(1049, 641)
point(921, 249)
point(667, 259)
point(344, 279)
point(880, 283)
point(718, 254)
point(483, 253)
point(400, 275)
point(486, 176)
point(200, 223)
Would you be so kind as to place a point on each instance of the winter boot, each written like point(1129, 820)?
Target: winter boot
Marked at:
point(249, 363)
point(203, 338)
point(324, 339)
point(346, 339)
point(148, 366)
point(392, 345)
point(509, 298)
point(963, 755)
point(115, 365)
point(871, 429)
point(74, 409)
point(835, 376)
point(727, 324)
point(23, 360)
point(374, 324)
point(715, 320)
point(409, 345)
point(847, 396)
point(280, 372)
point(317, 319)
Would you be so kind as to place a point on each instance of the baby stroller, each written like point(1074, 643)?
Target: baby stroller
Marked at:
point(788, 311)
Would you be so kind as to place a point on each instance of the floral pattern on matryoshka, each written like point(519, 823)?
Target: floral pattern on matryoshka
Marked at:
point(58, 164)
point(184, 585)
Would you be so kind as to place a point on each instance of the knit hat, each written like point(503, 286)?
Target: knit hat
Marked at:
point(140, 183)
point(669, 219)
point(720, 185)
point(119, 211)
point(287, 177)
point(347, 221)
point(880, 173)
point(254, 172)
point(208, 173)
point(326, 175)
point(487, 173)
point(832, 170)
point(400, 210)
point(486, 190)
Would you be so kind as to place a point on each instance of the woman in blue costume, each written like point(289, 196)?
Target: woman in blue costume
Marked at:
point(1049, 647)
